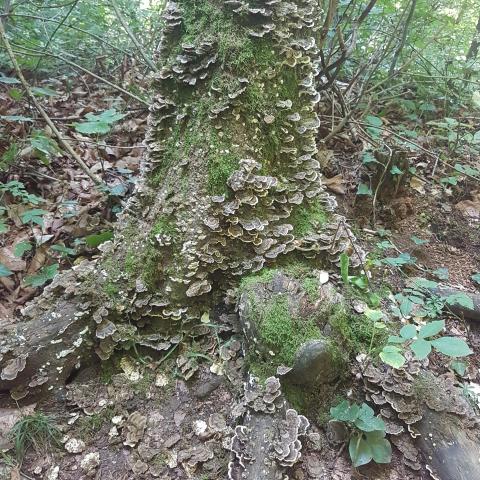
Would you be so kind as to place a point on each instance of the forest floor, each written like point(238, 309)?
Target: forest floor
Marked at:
point(138, 416)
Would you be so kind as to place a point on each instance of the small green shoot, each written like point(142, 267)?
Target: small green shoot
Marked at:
point(37, 431)
point(367, 433)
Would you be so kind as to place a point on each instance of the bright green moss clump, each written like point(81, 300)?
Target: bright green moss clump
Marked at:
point(164, 226)
point(355, 331)
point(282, 333)
point(306, 218)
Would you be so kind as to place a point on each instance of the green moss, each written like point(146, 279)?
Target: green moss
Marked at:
point(164, 226)
point(87, 427)
point(311, 285)
point(355, 331)
point(307, 218)
point(108, 369)
point(314, 402)
point(111, 289)
point(220, 167)
point(263, 276)
point(280, 333)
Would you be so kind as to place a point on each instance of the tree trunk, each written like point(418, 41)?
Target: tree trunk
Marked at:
point(230, 184)
point(473, 50)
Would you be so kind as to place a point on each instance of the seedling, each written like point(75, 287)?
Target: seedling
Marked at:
point(421, 344)
point(367, 440)
point(37, 431)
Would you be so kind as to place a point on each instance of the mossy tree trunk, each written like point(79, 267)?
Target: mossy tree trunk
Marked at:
point(230, 184)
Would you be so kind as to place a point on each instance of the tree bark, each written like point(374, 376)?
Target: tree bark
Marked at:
point(230, 184)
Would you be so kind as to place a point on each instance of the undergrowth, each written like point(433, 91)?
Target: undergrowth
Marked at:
point(37, 431)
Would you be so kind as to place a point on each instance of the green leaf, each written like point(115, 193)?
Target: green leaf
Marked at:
point(45, 146)
point(98, 124)
point(366, 420)
point(408, 332)
point(63, 250)
point(16, 118)
point(384, 245)
point(373, 315)
point(395, 339)
point(364, 189)
point(405, 305)
point(402, 259)
point(9, 80)
point(380, 447)
point(431, 329)
point(418, 241)
point(34, 216)
point(3, 226)
point(98, 238)
point(369, 157)
point(21, 248)
point(43, 276)
point(391, 356)
point(449, 180)
point(44, 91)
point(359, 450)
point(344, 264)
point(452, 346)
point(374, 124)
point(359, 281)
point(467, 169)
point(15, 94)
point(441, 273)
point(476, 277)
point(423, 283)
point(461, 299)
point(459, 367)
point(396, 171)
point(345, 412)
point(4, 271)
point(421, 348)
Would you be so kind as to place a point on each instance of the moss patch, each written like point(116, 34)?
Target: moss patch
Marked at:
point(355, 331)
point(282, 333)
point(307, 218)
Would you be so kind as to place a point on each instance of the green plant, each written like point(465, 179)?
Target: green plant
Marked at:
point(37, 431)
point(99, 124)
point(43, 276)
point(359, 281)
point(367, 440)
point(421, 343)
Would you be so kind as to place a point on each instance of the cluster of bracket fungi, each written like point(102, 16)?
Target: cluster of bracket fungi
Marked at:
point(268, 442)
point(396, 394)
point(218, 237)
point(238, 233)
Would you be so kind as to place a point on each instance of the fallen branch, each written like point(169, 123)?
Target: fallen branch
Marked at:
point(42, 112)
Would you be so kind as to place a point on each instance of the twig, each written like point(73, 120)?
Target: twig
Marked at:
point(380, 182)
point(73, 27)
point(35, 53)
point(57, 28)
point(132, 36)
point(42, 112)
point(405, 139)
point(360, 259)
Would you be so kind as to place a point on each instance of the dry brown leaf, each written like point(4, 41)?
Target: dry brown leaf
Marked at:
point(38, 260)
point(15, 264)
point(335, 184)
point(470, 208)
